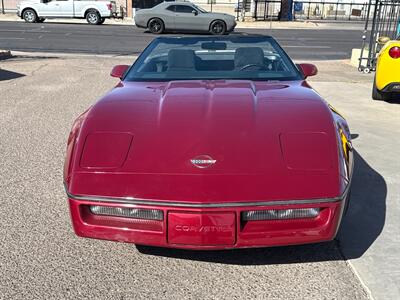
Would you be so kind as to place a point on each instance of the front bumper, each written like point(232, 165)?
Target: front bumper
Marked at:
point(140, 22)
point(392, 88)
point(207, 228)
point(232, 27)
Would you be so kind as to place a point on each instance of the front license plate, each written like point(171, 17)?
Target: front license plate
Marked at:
point(201, 229)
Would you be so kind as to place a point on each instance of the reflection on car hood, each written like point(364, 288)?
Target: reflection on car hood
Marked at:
point(238, 123)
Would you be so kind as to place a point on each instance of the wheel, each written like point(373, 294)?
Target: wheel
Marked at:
point(156, 26)
point(376, 94)
point(367, 70)
point(218, 27)
point(29, 16)
point(40, 20)
point(93, 17)
point(101, 21)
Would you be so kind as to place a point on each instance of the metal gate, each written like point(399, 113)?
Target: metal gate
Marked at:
point(341, 10)
point(385, 22)
point(266, 10)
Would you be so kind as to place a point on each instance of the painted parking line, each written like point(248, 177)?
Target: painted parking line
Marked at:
point(25, 30)
point(12, 38)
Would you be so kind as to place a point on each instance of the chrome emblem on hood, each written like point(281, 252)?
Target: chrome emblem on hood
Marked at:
point(203, 161)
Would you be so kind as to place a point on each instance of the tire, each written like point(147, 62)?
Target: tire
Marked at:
point(29, 16)
point(101, 21)
point(218, 27)
point(156, 26)
point(376, 94)
point(40, 20)
point(93, 17)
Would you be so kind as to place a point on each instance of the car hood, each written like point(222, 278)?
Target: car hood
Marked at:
point(269, 140)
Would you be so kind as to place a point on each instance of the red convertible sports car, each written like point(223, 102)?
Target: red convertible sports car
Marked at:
point(210, 143)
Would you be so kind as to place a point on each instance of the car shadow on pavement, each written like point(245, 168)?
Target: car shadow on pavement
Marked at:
point(8, 75)
point(395, 99)
point(362, 224)
point(365, 218)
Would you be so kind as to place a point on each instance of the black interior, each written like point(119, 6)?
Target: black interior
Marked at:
point(244, 59)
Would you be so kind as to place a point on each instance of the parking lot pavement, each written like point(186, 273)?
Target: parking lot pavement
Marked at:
point(369, 237)
point(41, 258)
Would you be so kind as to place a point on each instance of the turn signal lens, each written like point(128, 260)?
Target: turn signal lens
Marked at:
point(280, 214)
point(135, 213)
point(394, 52)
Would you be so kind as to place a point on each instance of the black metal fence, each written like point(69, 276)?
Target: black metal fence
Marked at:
point(265, 10)
point(312, 10)
point(385, 22)
point(330, 10)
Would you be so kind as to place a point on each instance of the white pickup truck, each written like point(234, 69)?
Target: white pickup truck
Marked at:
point(95, 12)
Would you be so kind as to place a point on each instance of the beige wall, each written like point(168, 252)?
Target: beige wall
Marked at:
point(10, 4)
point(224, 6)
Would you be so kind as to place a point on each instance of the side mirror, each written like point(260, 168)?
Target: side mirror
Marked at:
point(308, 69)
point(195, 12)
point(119, 71)
point(382, 40)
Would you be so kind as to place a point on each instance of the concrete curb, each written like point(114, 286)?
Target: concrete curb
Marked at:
point(19, 54)
point(357, 274)
point(78, 55)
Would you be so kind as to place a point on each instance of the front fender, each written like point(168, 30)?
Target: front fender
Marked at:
point(72, 139)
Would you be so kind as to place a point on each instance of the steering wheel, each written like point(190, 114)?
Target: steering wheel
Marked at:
point(260, 67)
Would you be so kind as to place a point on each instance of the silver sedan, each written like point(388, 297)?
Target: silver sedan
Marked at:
point(183, 16)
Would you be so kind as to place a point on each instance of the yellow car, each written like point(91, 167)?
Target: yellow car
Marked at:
point(387, 76)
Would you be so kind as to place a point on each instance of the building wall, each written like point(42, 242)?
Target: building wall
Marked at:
point(223, 6)
point(10, 5)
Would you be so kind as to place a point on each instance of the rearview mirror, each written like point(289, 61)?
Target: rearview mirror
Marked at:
point(308, 69)
point(194, 12)
point(213, 46)
point(382, 40)
point(119, 71)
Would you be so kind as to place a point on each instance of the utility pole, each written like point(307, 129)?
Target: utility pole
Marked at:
point(2, 7)
point(286, 10)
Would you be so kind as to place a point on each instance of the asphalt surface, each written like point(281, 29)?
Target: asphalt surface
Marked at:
point(307, 44)
point(41, 258)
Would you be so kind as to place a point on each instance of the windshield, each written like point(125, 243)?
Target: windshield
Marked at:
point(199, 8)
point(199, 58)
